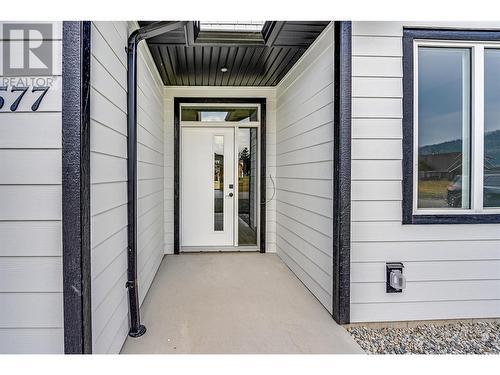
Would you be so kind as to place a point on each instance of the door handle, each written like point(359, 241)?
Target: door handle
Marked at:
point(230, 195)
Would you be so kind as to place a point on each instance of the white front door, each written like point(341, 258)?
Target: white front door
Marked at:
point(207, 186)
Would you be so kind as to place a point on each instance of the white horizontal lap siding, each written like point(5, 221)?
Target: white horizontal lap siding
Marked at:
point(453, 271)
point(230, 92)
point(31, 307)
point(109, 180)
point(304, 165)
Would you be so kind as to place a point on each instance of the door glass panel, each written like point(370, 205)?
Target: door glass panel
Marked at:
point(218, 183)
point(444, 127)
point(491, 189)
point(219, 113)
point(247, 186)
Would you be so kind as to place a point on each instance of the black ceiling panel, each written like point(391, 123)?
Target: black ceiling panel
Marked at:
point(263, 61)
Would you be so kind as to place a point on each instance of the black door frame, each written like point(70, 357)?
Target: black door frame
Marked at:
point(177, 132)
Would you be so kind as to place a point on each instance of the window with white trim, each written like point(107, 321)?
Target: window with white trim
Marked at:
point(456, 127)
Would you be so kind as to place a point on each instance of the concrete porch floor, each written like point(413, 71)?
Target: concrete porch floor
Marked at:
point(234, 303)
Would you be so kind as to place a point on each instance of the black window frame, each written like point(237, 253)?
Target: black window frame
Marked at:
point(409, 35)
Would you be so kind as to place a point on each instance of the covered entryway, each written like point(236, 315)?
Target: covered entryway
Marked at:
point(271, 119)
point(234, 303)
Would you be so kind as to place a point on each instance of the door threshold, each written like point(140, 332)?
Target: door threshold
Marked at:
point(213, 249)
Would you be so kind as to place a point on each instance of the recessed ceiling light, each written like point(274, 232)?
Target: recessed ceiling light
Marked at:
point(223, 70)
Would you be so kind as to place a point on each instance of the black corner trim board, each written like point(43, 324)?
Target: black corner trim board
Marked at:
point(409, 35)
point(177, 130)
point(342, 172)
point(76, 187)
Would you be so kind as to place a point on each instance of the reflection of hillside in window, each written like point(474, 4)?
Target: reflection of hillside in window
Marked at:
point(491, 180)
point(443, 127)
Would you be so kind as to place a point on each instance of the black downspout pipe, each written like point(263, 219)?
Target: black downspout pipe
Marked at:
point(149, 31)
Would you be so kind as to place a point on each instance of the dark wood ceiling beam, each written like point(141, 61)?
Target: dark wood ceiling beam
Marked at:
point(270, 56)
point(245, 65)
point(282, 54)
point(170, 66)
point(189, 55)
point(161, 66)
point(214, 66)
point(237, 66)
point(205, 66)
point(271, 75)
point(164, 65)
point(230, 64)
point(180, 68)
point(218, 38)
point(224, 53)
point(275, 32)
point(198, 65)
point(252, 65)
point(189, 33)
point(285, 68)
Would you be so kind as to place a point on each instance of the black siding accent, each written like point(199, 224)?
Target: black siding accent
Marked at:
point(177, 129)
point(409, 34)
point(407, 164)
point(76, 187)
point(342, 172)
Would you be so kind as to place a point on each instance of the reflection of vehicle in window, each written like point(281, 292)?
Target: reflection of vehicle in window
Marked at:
point(454, 196)
point(492, 190)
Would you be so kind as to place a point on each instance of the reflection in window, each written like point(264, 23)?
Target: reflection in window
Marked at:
point(443, 127)
point(210, 114)
point(491, 188)
point(247, 186)
point(218, 183)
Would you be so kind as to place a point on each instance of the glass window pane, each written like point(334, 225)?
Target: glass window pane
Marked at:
point(234, 26)
point(247, 186)
point(444, 127)
point(210, 114)
point(491, 188)
point(218, 183)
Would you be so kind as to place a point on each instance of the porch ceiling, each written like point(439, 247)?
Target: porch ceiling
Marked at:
point(188, 57)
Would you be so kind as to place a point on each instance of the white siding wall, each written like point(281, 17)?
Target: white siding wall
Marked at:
point(234, 92)
point(31, 310)
point(109, 180)
point(304, 168)
point(453, 271)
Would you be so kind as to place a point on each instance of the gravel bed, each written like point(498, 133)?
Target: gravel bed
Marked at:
point(453, 338)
